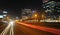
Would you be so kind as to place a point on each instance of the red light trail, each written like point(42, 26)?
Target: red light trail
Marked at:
point(52, 30)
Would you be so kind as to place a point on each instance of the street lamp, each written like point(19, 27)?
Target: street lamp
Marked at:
point(35, 15)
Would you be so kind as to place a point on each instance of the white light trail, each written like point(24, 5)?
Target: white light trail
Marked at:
point(9, 27)
point(5, 30)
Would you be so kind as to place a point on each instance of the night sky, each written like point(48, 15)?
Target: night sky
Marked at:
point(17, 5)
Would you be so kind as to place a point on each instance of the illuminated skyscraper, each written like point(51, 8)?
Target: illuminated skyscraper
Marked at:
point(51, 9)
point(26, 13)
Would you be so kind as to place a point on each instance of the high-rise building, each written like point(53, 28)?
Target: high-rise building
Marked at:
point(26, 13)
point(51, 9)
point(57, 8)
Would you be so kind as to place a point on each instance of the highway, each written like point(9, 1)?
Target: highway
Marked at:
point(2, 26)
point(24, 28)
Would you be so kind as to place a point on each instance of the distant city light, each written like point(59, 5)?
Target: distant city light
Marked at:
point(33, 11)
point(44, 1)
point(4, 11)
point(17, 17)
point(12, 22)
point(1, 16)
point(4, 15)
point(35, 15)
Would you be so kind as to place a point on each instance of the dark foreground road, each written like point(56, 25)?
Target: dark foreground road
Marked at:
point(24, 30)
point(2, 26)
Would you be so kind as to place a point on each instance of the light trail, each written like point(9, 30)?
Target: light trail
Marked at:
point(6, 30)
point(52, 30)
point(11, 29)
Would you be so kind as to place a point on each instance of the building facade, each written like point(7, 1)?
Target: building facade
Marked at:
point(52, 9)
point(26, 13)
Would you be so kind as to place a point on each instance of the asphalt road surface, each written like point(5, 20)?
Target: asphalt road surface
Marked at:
point(25, 30)
point(22, 28)
point(2, 26)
